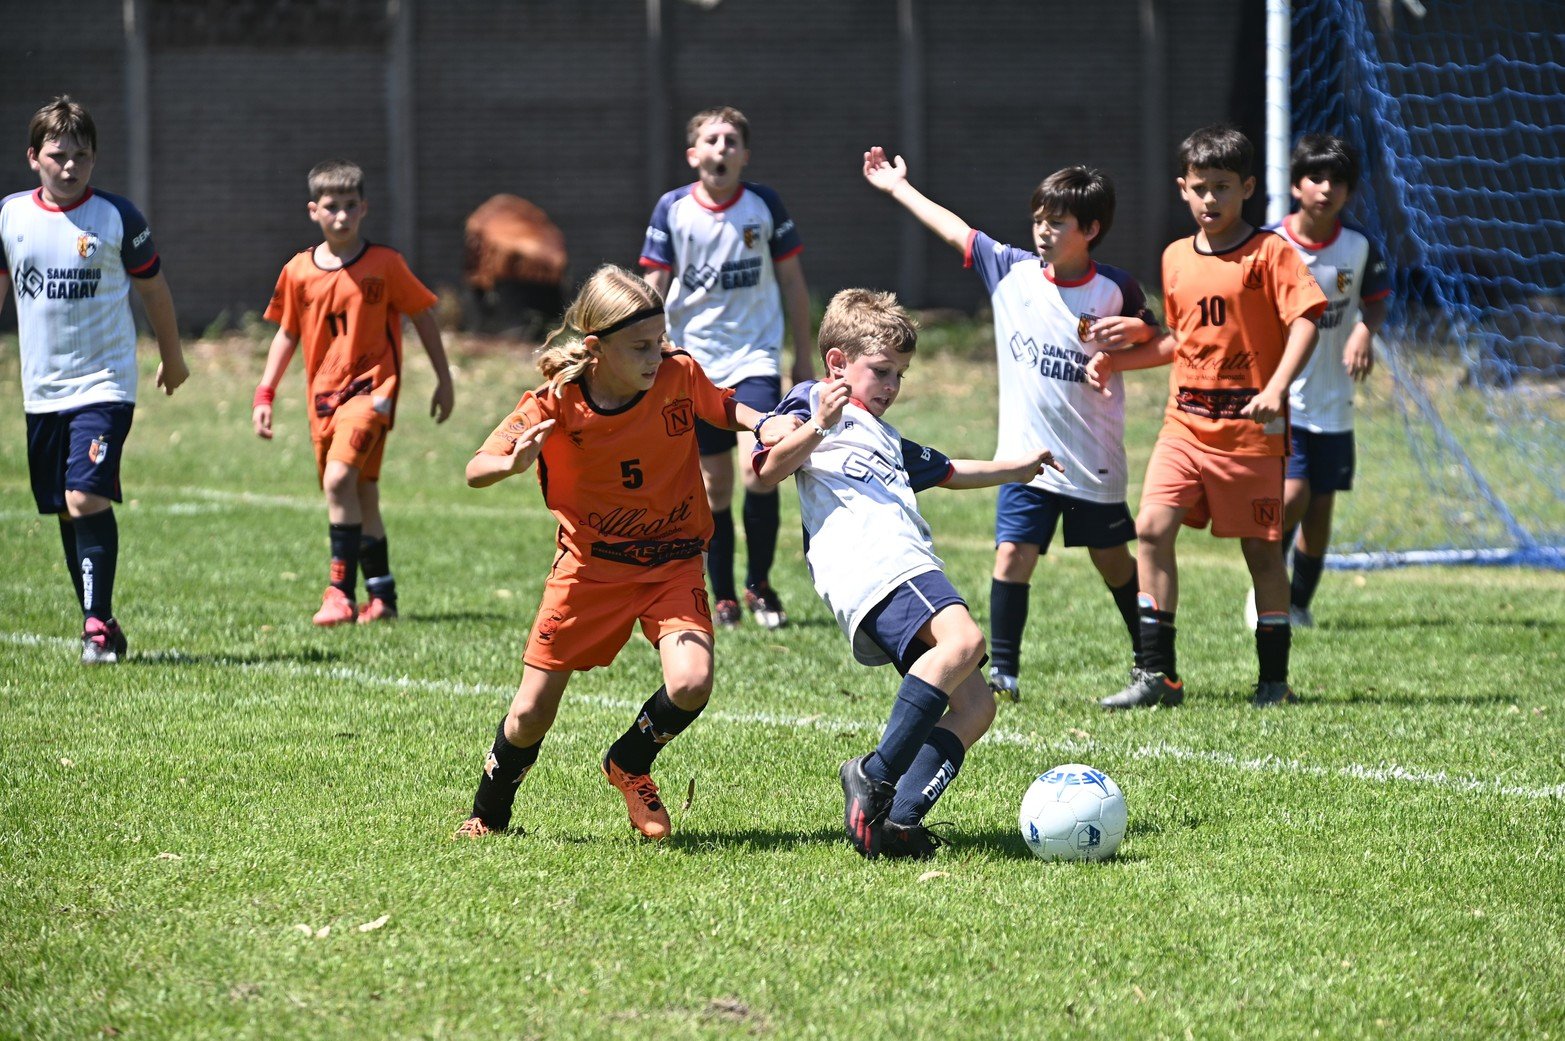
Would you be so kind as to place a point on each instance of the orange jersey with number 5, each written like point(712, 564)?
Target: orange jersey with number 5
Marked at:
point(1229, 313)
point(349, 324)
point(624, 483)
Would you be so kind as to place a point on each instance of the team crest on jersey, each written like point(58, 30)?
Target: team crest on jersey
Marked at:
point(98, 451)
point(1254, 272)
point(374, 290)
point(86, 244)
point(679, 417)
point(1267, 511)
point(752, 234)
point(1344, 280)
point(1084, 326)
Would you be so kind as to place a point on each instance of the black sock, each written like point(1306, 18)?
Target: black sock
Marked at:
point(73, 561)
point(933, 770)
point(1306, 576)
point(345, 539)
point(1129, 610)
point(720, 556)
point(98, 551)
point(504, 768)
point(1273, 637)
point(658, 723)
point(762, 513)
point(1155, 650)
point(375, 563)
point(918, 708)
point(1007, 620)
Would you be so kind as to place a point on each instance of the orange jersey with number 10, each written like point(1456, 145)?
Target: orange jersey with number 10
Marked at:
point(1229, 313)
point(625, 483)
point(348, 321)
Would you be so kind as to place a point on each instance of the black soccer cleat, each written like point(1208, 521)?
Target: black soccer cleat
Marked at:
point(865, 805)
point(908, 841)
point(1270, 693)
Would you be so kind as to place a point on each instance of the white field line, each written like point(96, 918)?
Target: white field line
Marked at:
point(187, 501)
point(1385, 773)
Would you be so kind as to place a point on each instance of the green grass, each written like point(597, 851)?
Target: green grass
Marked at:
point(178, 834)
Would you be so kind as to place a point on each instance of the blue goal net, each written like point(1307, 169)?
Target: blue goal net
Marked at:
point(1455, 107)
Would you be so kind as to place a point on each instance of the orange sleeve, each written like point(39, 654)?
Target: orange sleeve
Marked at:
point(408, 294)
point(530, 411)
point(713, 403)
point(283, 309)
point(1298, 294)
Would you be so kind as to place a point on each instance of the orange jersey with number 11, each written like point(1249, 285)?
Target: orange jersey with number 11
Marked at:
point(348, 321)
point(1229, 313)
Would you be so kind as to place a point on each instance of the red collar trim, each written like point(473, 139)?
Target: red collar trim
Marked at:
point(697, 195)
point(1092, 270)
point(1293, 233)
point(38, 198)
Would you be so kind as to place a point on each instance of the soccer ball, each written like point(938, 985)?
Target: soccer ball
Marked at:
point(1073, 812)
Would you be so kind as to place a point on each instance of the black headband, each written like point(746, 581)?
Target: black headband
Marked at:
point(630, 319)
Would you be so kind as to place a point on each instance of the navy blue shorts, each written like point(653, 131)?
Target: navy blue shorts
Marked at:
point(1027, 514)
point(761, 393)
point(893, 624)
point(77, 450)
point(1325, 460)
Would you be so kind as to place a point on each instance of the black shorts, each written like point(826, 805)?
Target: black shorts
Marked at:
point(761, 393)
point(77, 450)
point(893, 624)
point(1025, 514)
point(1325, 460)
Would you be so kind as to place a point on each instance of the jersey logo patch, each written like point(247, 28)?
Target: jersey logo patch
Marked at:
point(752, 233)
point(703, 277)
point(374, 290)
point(679, 417)
point(1344, 279)
point(1084, 326)
point(1266, 511)
point(98, 450)
point(1254, 272)
point(548, 626)
point(29, 281)
point(86, 244)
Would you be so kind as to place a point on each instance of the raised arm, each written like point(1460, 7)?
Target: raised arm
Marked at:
point(159, 305)
point(790, 453)
point(796, 305)
point(284, 344)
point(488, 468)
point(891, 178)
point(429, 334)
point(986, 473)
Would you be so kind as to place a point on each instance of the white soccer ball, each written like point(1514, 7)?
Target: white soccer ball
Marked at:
point(1073, 812)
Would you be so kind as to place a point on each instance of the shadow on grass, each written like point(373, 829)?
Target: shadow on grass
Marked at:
point(300, 656)
point(441, 617)
point(1547, 626)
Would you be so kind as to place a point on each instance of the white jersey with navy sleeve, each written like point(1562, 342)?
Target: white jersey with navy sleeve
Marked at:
point(724, 306)
point(70, 270)
point(1350, 271)
point(863, 532)
point(1040, 327)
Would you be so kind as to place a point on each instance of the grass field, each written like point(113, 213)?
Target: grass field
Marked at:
point(244, 832)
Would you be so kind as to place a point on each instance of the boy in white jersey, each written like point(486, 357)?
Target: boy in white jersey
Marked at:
point(72, 253)
point(724, 254)
point(1353, 275)
point(1054, 308)
point(873, 561)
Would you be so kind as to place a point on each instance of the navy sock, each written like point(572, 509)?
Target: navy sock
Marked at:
point(1007, 620)
point(1306, 576)
point(73, 562)
point(1273, 638)
point(918, 708)
point(504, 768)
point(98, 553)
point(345, 539)
point(933, 770)
point(658, 723)
point(1155, 650)
point(375, 562)
point(720, 556)
point(1129, 610)
point(762, 513)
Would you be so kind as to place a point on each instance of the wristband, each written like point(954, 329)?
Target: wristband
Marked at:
point(264, 395)
point(756, 430)
point(820, 431)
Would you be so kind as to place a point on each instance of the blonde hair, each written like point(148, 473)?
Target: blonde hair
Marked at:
point(609, 297)
point(866, 321)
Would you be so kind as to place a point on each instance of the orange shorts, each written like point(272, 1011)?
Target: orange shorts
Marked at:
point(582, 624)
point(1241, 495)
point(356, 435)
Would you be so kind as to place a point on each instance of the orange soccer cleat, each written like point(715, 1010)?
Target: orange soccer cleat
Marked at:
point(473, 828)
point(336, 608)
point(646, 810)
point(378, 609)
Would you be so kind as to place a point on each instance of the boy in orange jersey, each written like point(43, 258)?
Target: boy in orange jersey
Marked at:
point(1241, 311)
point(344, 300)
point(613, 431)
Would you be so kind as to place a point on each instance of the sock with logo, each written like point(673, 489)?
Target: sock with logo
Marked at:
point(1306, 576)
point(1273, 638)
point(1155, 650)
point(918, 708)
point(720, 556)
point(73, 561)
point(1129, 610)
point(345, 539)
point(98, 553)
point(504, 768)
point(375, 562)
point(658, 723)
point(762, 519)
point(933, 770)
point(1007, 620)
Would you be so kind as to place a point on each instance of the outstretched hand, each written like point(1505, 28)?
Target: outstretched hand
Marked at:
point(1024, 470)
point(881, 173)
